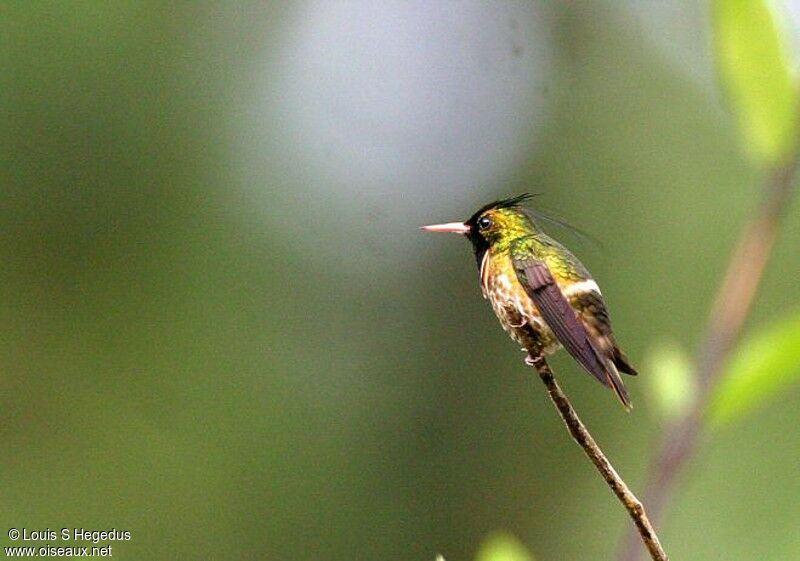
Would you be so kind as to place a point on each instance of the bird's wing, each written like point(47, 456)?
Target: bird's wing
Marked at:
point(559, 316)
point(593, 313)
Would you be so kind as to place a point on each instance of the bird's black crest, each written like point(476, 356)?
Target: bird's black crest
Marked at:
point(510, 202)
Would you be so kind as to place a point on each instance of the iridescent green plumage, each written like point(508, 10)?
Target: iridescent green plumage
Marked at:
point(542, 294)
point(563, 264)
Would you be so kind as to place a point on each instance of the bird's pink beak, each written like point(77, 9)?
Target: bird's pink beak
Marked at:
point(455, 227)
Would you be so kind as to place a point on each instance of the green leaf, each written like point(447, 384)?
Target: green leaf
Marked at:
point(753, 64)
point(671, 378)
point(762, 366)
point(502, 546)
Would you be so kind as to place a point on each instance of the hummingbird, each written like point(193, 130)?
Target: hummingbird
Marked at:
point(543, 296)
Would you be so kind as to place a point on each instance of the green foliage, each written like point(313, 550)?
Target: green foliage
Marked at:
point(754, 69)
point(670, 374)
point(763, 365)
point(502, 546)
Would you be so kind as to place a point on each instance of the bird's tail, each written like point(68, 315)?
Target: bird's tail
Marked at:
point(610, 361)
point(615, 383)
point(622, 363)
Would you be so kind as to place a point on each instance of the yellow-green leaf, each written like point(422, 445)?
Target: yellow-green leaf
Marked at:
point(502, 546)
point(754, 67)
point(763, 366)
point(671, 378)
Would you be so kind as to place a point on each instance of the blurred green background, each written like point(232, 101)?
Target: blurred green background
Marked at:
point(223, 331)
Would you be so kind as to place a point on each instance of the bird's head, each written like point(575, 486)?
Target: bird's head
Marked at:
point(493, 226)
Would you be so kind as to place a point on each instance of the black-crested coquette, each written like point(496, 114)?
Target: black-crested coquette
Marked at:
point(543, 296)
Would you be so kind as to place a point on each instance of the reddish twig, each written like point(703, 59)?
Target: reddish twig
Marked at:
point(728, 314)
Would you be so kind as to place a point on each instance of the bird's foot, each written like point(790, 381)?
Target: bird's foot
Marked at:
point(533, 359)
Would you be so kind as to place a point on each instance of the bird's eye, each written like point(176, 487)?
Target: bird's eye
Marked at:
point(484, 223)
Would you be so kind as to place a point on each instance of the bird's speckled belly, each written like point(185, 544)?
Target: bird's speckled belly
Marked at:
point(517, 313)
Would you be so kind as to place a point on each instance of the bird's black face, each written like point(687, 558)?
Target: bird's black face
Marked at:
point(480, 224)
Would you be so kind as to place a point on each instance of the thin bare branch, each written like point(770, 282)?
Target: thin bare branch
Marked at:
point(582, 436)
